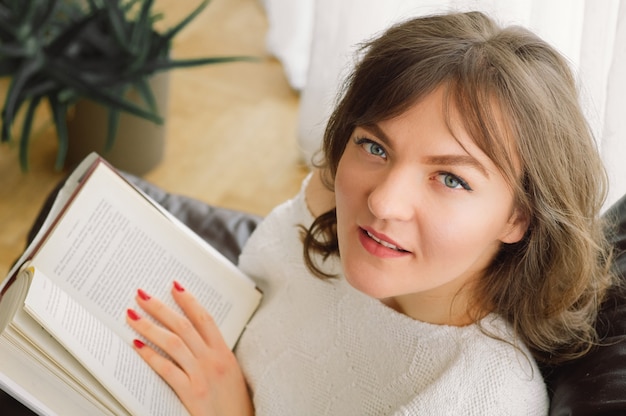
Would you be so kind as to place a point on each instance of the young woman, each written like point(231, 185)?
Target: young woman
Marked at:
point(451, 240)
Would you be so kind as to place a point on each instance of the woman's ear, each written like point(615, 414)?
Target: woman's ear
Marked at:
point(516, 227)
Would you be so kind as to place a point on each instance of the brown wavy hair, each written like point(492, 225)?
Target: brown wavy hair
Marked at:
point(505, 82)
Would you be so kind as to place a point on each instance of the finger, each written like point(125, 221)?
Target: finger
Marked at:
point(198, 316)
point(171, 373)
point(172, 320)
point(172, 344)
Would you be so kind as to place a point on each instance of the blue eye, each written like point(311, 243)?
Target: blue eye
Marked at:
point(372, 148)
point(452, 181)
point(375, 149)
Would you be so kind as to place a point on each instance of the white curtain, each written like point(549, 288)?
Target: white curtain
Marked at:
point(316, 41)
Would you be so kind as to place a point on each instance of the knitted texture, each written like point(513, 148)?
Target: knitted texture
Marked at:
point(319, 347)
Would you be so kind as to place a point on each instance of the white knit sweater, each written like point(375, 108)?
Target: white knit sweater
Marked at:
point(322, 348)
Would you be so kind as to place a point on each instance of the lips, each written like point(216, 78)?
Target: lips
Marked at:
point(383, 242)
point(380, 245)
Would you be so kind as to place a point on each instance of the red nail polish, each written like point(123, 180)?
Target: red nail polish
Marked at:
point(178, 287)
point(143, 295)
point(132, 314)
point(138, 344)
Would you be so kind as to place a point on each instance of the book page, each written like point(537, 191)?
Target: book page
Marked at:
point(12, 296)
point(60, 367)
point(30, 381)
point(112, 241)
point(108, 357)
point(71, 183)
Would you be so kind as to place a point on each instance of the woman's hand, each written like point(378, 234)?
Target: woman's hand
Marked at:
point(205, 374)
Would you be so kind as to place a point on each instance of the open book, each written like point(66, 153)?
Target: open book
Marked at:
point(65, 347)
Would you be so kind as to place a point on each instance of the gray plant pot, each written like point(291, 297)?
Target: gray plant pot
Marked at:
point(139, 144)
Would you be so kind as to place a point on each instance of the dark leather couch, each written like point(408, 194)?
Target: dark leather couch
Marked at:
point(596, 383)
point(593, 385)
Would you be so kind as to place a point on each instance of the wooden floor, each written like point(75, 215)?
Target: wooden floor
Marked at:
point(231, 129)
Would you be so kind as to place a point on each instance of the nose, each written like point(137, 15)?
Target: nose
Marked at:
point(393, 197)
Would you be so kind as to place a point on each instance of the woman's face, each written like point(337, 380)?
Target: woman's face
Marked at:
point(420, 214)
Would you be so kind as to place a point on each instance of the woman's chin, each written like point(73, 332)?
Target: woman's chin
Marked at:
point(368, 286)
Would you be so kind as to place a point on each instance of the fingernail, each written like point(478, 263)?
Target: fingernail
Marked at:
point(143, 295)
point(132, 314)
point(178, 287)
point(138, 344)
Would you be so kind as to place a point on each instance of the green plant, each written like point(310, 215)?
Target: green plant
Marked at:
point(62, 50)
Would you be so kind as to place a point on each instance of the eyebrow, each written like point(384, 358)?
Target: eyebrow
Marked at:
point(457, 160)
point(446, 160)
